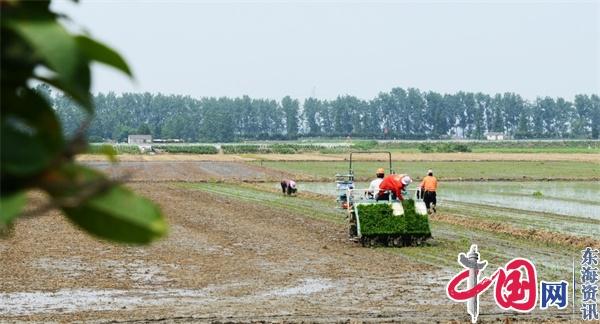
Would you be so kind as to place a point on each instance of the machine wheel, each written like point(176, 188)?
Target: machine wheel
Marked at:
point(390, 241)
point(374, 242)
point(352, 231)
point(352, 228)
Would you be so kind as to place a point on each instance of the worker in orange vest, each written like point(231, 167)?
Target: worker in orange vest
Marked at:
point(393, 184)
point(428, 187)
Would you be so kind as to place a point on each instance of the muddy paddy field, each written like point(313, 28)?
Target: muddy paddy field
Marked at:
point(239, 251)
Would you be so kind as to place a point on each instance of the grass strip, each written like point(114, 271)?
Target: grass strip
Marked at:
point(312, 208)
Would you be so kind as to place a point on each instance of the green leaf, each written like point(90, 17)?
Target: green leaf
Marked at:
point(99, 52)
point(60, 51)
point(22, 154)
point(42, 117)
point(105, 209)
point(52, 42)
point(30, 138)
point(10, 207)
point(83, 97)
point(119, 215)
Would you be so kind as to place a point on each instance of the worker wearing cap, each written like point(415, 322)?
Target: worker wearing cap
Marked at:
point(393, 184)
point(288, 186)
point(429, 187)
point(374, 186)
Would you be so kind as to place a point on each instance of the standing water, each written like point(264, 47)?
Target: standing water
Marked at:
point(571, 198)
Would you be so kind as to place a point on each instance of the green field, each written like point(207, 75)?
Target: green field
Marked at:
point(474, 170)
point(529, 146)
point(534, 150)
point(526, 150)
point(508, 146)
point(552, 258)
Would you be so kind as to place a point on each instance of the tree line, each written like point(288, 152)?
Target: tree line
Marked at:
point(397, 114)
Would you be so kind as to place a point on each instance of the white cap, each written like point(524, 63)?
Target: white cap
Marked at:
point(429, 171)
point(406, 180)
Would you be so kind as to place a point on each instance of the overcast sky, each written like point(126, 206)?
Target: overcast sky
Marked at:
point(302, 48)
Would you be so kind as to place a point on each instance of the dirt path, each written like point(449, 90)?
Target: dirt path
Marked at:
point(188, 171)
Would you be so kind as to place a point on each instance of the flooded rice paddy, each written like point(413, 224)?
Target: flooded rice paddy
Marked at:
point(569, 198)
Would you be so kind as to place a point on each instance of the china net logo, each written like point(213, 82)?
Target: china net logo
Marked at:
point(516, 285)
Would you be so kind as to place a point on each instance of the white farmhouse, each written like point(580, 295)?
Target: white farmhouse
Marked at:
point(139, 139)
point(492, 136)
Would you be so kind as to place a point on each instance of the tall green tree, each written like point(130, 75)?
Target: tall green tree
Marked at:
point(291, 109)
point(435, 116)
point(482, 118)
point(468, 114)
point(497, 114)
point(399, 113)
point(342, 116)
point(144, 129)
point(311, 113)
point(547, 109)
point(582, 121)
point(523, 126)
point(414, 119)
point(595, 115)
point(564, 111)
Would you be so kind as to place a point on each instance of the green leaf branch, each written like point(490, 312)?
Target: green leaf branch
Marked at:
point(34, 151)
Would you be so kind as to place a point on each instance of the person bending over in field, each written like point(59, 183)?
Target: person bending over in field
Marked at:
point(393, 185)
point(288, 187)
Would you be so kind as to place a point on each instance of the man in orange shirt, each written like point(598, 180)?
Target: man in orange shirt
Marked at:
point(429, 187)
point(394, 184)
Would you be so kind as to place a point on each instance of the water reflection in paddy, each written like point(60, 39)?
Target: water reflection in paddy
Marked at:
point(571, 198)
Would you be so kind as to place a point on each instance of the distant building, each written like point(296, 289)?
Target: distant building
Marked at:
point(492, 136)
point(139, 139)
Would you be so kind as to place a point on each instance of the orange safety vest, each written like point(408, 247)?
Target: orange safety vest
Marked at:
point(429, 183)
